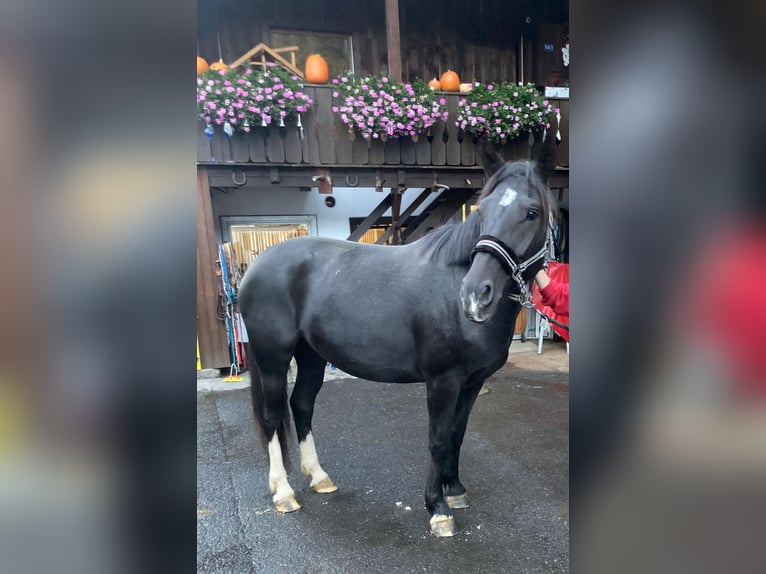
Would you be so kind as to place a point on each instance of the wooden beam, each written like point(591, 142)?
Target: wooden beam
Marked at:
point(396, 205)
point(393, 40)
point(371, 219)
point(213, 344)
point(407, 213)
point(285, 49)
point(454, 200)
point(259, 175)
point(264, 49)
point(247, 55)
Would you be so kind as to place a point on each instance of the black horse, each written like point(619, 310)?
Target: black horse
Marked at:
point(439, 310)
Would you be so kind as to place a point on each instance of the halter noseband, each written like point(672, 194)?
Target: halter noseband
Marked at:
point(507, 258)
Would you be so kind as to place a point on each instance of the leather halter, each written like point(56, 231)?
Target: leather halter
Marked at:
point(508, 259)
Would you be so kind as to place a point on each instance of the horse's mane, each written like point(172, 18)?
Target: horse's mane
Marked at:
point(453, 243)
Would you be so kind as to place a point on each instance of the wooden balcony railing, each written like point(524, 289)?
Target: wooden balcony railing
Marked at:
point(325, 141)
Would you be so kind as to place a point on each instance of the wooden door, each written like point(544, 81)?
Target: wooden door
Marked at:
point(521, 322)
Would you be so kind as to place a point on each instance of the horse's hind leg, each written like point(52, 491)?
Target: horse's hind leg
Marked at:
point(454, 491)
point(272, 362)
point(307, 384)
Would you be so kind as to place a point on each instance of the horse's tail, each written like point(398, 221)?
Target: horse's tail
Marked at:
point(256, 392)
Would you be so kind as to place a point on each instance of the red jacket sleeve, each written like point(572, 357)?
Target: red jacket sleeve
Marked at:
point(556, 296)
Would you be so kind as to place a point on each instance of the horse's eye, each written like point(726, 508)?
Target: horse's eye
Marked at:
point(532, 215)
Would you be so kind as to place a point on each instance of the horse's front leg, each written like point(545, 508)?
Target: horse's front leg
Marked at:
point(454, 491)
point(442, 400)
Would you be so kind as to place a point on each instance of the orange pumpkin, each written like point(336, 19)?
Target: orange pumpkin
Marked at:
point(202, 65)
point(219, 65)
point(450, 81)
point(435, 84)
point(316, 70)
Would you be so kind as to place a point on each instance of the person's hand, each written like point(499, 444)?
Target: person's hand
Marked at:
point(542, 279)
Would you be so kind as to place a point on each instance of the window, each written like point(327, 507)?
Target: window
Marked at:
point(335, 48)
point(251, 235)
point(376, 231)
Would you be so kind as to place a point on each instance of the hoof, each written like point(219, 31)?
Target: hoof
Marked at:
point(287, 504)
point(457, 501)
point(324, 486)
point(443, 526)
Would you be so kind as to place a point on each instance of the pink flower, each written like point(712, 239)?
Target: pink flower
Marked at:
point(335, 81)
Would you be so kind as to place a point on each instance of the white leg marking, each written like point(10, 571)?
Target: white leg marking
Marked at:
point(310, 461)
point(508, 197)
point(277, 474)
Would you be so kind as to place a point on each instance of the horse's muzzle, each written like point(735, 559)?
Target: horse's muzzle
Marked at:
point(476, 306)
point(482, 288)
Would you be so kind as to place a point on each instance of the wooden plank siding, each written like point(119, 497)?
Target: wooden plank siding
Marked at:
point(213, 346)
point(479, 40)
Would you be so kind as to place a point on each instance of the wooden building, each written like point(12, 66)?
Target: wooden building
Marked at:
point(423, 183)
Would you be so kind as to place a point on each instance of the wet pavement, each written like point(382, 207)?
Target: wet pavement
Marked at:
point(372, 440)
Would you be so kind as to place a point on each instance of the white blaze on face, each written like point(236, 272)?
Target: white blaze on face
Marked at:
point(508, 197)
point(473, 307)
point(310, 460)
point(277, 474)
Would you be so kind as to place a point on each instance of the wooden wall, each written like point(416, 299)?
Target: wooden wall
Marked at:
point(211, 333)
point(478, 39)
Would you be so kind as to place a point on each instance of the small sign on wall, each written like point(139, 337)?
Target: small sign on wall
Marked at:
point(548, 47)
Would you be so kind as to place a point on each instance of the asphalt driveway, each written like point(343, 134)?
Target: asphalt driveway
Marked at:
point(372, 440)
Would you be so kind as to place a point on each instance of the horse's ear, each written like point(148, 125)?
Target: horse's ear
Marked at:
point(544, 153)
point(493, 161)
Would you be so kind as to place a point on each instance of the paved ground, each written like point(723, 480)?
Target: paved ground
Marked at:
point(371, 439)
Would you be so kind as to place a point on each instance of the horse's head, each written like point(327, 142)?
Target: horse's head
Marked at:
point(513, 213)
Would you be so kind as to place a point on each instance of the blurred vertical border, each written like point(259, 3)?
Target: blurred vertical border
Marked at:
point(668, 284)
point(97, 217)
